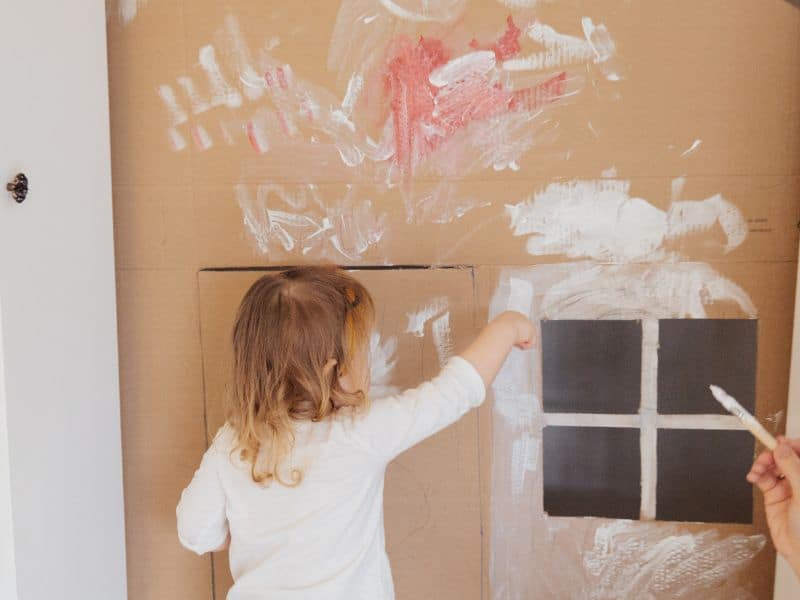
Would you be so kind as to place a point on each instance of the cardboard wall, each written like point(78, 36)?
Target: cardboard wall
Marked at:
point(706, 103)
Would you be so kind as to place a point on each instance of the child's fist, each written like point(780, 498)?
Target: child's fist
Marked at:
point(524, 331)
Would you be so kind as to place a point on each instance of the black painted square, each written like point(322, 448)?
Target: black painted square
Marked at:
point(592, 471)
point(694, 353)
point(701, 476)
point(591, 366)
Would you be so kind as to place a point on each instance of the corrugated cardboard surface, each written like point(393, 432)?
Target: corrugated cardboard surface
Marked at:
point(725, 74)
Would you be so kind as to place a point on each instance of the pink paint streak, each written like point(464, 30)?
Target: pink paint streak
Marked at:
point(425, 116)
point(507, 46)
point(282, 78)
point(253, 138)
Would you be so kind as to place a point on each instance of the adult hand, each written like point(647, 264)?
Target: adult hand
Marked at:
point(777, 475)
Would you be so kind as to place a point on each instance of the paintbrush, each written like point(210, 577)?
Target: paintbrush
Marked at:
point(732, 406)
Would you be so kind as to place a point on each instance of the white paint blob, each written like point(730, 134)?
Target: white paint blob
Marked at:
point(128, 9)
point(599, 219)
point(468, 65)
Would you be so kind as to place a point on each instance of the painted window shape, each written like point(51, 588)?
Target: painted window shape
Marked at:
point(592, 471)
point(637, 435)
point(592, 366)
point(693, 353)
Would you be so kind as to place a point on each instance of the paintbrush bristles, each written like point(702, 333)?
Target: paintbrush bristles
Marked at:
point(732, 406)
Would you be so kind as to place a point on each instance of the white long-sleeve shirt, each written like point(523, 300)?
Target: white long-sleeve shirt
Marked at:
point(324, 539)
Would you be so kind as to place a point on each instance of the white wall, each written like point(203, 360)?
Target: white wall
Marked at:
point(8, 573)
point(60, 449)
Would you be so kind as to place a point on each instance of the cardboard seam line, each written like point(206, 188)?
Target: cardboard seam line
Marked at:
point(205, 413)
point(399, 267)
point(432, 266)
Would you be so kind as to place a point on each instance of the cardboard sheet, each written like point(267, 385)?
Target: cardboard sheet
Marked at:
point(655, 176)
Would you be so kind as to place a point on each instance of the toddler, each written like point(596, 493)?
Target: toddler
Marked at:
point(293, 482)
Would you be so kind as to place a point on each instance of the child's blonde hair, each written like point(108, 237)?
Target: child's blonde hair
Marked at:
point(296, 332)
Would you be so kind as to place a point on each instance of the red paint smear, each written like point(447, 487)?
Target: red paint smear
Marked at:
point(198, 139)
point(507, 45)
point(251, 136)
point(536, 97)
point(412, 94)
point(282, 78)
point(426, 116)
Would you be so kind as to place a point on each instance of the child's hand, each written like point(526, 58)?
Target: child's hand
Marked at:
point(777, 475)
point(524, 329)
point(489, 350)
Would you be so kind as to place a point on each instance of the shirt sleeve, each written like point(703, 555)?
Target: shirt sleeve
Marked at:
point(202, 521)
point(394, 424)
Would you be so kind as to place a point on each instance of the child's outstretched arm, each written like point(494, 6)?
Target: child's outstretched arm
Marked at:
point(489, 350)
point(396, 423)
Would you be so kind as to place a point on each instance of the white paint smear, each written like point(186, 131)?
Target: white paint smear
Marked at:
point(520, 297)
point(692, 149)
point(177, 114)
point(343, 227)
point(176, 141)
point(238, 50)
point(524, 460)
point(418, 318)
point(599, 219)
point(421, 11)
point(198, 104)
point(222, 92)
point(354, 87)
point(677, 186)
point(128, 9)
point(631, 561)
point(442, 338)
point(382, 363)
point(472, 64)
point(637, 291)
point(596, 47)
